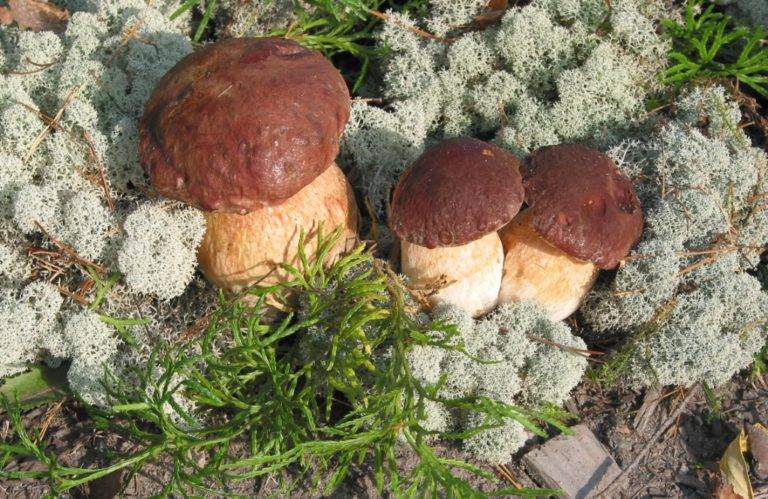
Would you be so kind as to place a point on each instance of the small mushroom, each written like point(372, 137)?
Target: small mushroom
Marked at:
point(247, 130)
point(446, 210)
point(583, 215)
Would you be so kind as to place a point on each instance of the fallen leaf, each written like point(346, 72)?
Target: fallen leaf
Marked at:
point(735, 469)
point(39, 385)
point(758, 447)
point(35, 15)
point(498, 4)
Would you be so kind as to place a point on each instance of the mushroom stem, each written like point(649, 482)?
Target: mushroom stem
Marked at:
point(538, 271)
point(467, 276)
point(241, 250)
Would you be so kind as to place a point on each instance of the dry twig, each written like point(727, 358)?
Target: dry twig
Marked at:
point(578, 351)
point(70, 252)
point(412, 29)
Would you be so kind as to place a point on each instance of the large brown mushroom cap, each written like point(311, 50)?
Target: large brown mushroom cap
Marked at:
point(243, 123)
point(582, 203)
point(456, 192)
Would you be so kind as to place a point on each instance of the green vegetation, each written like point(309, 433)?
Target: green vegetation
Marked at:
point(341, 29)
point(326, 386)
point(760, 367)
point(714, 400)
point(208, 12)
point(710, 45)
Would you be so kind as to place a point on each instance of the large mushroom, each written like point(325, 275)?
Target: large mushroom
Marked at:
point(446, 210)
point(247, 130)
point(583, 215)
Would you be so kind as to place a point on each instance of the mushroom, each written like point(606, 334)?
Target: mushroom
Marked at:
point(247, 130)
point(446, 210)
point(583, 215)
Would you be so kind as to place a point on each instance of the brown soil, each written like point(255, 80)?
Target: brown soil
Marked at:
point(683, 463)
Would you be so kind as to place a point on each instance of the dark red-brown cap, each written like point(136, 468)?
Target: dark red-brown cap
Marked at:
point(243, 123)
point(456, 192)
point(582, 203)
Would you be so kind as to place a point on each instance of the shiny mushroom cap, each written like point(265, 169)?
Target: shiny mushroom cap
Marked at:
point(581, 203)
point(456, 192)
point(242, 124)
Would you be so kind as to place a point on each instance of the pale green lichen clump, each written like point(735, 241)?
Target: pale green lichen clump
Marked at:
point(53, 187)
point(685, 296)
point(550, 72)
point(514, 355)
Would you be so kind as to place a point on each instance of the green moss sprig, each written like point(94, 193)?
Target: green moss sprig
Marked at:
point(709, 45)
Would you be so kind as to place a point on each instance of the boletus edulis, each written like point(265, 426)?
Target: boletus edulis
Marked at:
point(247, 130)
point(446, 209)
point(583, 215)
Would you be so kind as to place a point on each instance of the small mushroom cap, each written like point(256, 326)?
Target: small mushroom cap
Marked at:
point(456, 192)
point(242, 124)
point(582, 203)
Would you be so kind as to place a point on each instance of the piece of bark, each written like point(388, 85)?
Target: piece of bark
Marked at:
point(578, 464)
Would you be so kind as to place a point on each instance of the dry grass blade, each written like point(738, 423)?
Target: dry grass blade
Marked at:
point(102, 174)
point(578, 351)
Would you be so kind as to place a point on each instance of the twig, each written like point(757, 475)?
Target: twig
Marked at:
point(579, 351)
point(40, 67)
point(74, 296)
point(100, 164)
point(502, 470)
point(89, 146)
point(412, 29)
point(617, 482)
point(54, 123)
point(710, 251)
point(52, 413)
point(377, 100)
point(48, 265)
point(69, 251)
point(627, 292)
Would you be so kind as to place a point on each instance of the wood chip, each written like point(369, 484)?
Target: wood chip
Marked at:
point(578, 464)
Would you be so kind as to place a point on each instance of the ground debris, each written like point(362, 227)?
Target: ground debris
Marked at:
point(578, 464)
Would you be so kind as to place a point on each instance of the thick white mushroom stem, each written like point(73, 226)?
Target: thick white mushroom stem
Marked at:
point(242, 250)
point(538, 271)
point(467, 276)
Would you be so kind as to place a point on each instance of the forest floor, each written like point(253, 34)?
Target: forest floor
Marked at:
point(683, 462)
